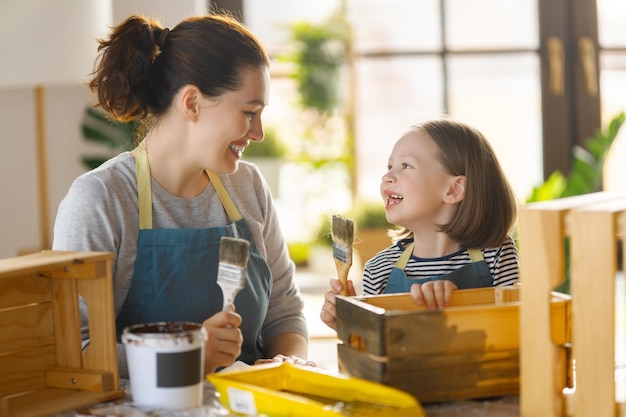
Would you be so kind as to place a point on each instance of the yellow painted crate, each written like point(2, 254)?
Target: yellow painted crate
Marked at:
point(43, 369)
point(469, 350)
point(286, 390)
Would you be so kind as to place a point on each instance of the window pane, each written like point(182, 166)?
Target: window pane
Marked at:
point(612, 23)
point(612, 84)
point(493, 24)
point(501, 97)
point(395, 24)
point(269, 20)
point(613, 87)
point(392, 94)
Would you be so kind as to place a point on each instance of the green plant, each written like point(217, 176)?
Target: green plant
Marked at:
point(318, 58)
point(98, 128)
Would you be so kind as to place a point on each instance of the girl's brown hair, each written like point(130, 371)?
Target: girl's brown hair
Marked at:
point(142, 65)
point(487, 213)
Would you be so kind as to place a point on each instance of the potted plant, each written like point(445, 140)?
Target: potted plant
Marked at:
point(115, 137)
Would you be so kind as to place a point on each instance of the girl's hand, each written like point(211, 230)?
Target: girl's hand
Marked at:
point(435, 294)
point(328, 313)
point(223, 346)
point(282, 358)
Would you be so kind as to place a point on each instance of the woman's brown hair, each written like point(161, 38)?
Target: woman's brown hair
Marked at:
point(142, 65)
point(488, 211)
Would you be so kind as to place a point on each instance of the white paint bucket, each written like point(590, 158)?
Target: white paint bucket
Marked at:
point(166, 364)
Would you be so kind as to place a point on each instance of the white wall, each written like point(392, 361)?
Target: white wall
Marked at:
point(65, 101)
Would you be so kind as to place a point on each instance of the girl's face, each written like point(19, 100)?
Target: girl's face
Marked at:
point(227, 124)
point(417, 190)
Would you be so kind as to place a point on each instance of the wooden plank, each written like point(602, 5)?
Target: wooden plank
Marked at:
point(80, 379)
point(50, 401)
point(438, 377)
point(102, 351)
point(26, 327)
point(542, 269)
point(21, 290)
point(593, 273)
point(23, 370)
point(45, 262)
point(454, 330)
point(475, 296)
point(67, 323)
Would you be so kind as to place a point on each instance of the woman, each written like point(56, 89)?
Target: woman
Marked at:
point(200, 90)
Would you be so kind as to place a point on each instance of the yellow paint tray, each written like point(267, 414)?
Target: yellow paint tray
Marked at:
point(281, 390)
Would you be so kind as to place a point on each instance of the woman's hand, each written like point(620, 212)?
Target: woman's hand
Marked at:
point(435, 294)
point(282, 358)
point(223, 346)
point(328, 314)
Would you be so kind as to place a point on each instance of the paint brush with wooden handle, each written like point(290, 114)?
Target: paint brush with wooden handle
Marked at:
point(342, 232)
point(231, 270)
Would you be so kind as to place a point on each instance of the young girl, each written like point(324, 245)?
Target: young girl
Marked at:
point(161, 209)
point(445, 187)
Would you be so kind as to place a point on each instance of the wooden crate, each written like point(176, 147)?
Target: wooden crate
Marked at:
point(469, 350)
point(593, 224)
point(43, 369)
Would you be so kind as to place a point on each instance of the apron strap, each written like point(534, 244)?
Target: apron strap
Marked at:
point(475, 255)
point(144, 188)
point(227, 202)
point(406, 255)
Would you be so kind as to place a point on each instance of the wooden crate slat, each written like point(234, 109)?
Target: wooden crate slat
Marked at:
point(81, 379)
point(475, 328)
point(542, 268)
point(68, 335)
point(22, 369)
point(432, 378)
point(28, 289)
point(50, 401)
point(46, 261)
point(26, 327)
point(102, 350)
point(593, 272)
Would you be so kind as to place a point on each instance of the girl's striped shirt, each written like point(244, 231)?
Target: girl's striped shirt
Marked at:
point(503, 264)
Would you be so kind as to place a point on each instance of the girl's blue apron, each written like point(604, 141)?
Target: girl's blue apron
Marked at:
point(175, 275)
point(474, 275)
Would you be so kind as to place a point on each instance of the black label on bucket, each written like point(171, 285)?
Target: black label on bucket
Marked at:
point(179, 369)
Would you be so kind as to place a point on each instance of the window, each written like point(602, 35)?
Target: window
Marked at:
point(537, 77)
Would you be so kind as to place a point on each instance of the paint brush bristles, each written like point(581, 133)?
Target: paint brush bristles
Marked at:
point(231, 271)
point(342, 231)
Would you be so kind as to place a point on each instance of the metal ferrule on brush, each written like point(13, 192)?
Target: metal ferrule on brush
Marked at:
point(231, 272)
point(342, 253)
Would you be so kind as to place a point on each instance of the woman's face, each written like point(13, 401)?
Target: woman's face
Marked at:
point(228, 123)
point(416, 183)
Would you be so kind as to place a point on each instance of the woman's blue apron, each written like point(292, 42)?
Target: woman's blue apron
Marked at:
point(175, 275)
point(474, 275)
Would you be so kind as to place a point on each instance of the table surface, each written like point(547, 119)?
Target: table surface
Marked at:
point(496, 407)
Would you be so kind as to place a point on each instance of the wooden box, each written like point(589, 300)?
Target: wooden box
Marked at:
point(469, 350)
point(587, 231)
point(43, 368)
